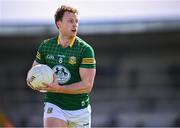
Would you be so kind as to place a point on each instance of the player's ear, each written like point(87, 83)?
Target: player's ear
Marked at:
point(58, 24)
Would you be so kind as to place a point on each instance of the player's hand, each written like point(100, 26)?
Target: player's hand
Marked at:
point(53, 87)
point(29, 84)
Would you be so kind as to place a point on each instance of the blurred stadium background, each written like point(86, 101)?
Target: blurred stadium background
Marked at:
point(137, 46)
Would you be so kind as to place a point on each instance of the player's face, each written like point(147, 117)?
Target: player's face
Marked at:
point(69, 24)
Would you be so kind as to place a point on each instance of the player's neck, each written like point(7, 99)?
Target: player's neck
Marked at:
point(64, 41)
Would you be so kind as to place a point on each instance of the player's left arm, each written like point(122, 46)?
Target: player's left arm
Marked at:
point(84, 86)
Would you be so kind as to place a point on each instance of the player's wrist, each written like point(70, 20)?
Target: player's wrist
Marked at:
point(60, 89)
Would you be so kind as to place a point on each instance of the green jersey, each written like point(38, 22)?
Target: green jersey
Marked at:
point(65, 63)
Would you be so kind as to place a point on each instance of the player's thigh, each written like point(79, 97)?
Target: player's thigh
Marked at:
point(54, 122)
point(53, 116)
point(81, 118)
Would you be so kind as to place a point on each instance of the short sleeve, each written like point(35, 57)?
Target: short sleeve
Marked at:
point(88, 58)
point(40, 54)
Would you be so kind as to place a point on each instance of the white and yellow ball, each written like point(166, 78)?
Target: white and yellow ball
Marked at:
point(39, 74)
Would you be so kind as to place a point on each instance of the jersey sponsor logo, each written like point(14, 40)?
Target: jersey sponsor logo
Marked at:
point(88, 61)
point(60, 58)
point(50, 57)
point(62, 74)
point(57, 58)
point(72, 60)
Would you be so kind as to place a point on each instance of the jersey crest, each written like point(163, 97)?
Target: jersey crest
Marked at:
point(72, 60)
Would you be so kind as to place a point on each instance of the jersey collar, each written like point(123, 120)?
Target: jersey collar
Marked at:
point(71, 41)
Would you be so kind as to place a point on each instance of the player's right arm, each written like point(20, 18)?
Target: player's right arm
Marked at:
point(39, 58)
